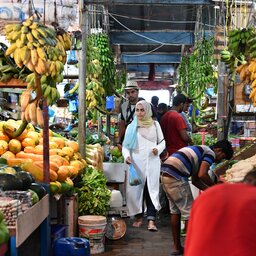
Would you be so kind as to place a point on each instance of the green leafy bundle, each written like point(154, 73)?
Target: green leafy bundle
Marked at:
point(93, 194)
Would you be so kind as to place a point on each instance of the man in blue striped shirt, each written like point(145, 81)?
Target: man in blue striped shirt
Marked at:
point(194, 162)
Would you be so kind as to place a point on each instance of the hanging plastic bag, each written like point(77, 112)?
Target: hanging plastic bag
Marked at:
point(134, 178)
point(72, 60)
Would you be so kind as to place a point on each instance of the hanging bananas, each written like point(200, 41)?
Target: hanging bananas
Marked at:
point(38, 47)
point(43, 52)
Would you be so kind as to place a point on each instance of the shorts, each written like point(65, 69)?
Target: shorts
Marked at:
point(179, 195)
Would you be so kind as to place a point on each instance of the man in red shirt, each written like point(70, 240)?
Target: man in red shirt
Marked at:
point(174, 127)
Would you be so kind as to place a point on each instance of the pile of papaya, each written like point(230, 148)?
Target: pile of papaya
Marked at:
point(26, 151)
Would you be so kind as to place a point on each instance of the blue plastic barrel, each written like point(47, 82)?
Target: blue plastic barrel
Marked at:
point(71, 246)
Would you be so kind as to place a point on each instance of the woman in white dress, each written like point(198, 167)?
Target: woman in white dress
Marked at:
point(143, 143)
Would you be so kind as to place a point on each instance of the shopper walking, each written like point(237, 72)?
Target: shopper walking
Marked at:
point(143, 143)
point(223, 222)
point(128, 108)
point(174, 127)
point(194, 162)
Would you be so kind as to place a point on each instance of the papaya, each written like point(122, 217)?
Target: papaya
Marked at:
point(18, 161)
point(29, 149)
point(53, 165)
point(33, 135)
point(59, 141)
point(8, 154)
point(53, 175)
point(32, 156)
point(3, 146)
point(14, 146)
point(4, 136)
point(73, 172)
point(63, 173)
point(72, 144)
point(68, 151)
point(39, 149)
point(36, 171)
point(28, 142)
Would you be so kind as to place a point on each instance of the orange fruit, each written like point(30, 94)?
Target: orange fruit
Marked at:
point(3, 146)
point(73, 144)
point(8, 155)
point(68, 151)
point(59, 141)
point(33, 135)
point(63, 173)
point(28, 142)
point(4, 136)
point(14, 146)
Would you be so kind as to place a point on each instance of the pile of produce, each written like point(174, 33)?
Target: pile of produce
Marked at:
point(41, 50)
point(197, 72)
point(26, 151)
point(94, 155)
point(238, 170)
point(93, 194)
point(116, 155)
point(4, 232)
point(8, 68)
point(240, 56)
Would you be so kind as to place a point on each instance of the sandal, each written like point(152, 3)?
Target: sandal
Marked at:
point(152, 226)
point(137, 223)
point(179, 252)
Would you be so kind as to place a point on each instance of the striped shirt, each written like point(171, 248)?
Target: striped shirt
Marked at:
point(186, 162)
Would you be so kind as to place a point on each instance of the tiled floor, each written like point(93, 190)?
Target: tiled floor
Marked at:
point(141, 242)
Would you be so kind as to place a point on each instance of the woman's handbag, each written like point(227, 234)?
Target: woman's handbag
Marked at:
point(134, 177)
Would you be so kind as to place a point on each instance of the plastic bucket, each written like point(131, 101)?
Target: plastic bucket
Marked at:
point(93, 228)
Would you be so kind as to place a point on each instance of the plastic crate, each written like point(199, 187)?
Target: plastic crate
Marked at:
point(57, 231)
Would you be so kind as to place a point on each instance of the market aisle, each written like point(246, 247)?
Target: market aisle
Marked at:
point(141, 242)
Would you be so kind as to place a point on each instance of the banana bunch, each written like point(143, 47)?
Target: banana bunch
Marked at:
point(94, 93)
point(244, 72)
point(65, 40)
point(50, 93)
point(8, 68)
point(38, 48)
point(238, 39)
point(107, 63)
point(30, 109)
point(252, 95)
point(225, 56)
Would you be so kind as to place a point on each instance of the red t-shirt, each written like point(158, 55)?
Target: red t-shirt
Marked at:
point(222, 222)
point(171, 123)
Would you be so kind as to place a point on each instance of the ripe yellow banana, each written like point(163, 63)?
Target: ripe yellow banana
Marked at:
point(11, 49)
point(25, 97)
point(40, 67)
point(32, 112)
point(34, 56)
point(27, 117)
point(39, 117)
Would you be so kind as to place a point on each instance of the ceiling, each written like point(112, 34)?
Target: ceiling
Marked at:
point(150, 37)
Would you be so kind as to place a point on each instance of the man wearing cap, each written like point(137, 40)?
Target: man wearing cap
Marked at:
point(128, 107)
point(174, 127)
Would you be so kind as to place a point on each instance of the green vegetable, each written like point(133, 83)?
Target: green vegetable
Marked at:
point(93, 194)
point(4, 233)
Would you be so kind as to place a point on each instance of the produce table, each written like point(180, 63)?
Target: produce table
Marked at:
point(27, 222)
